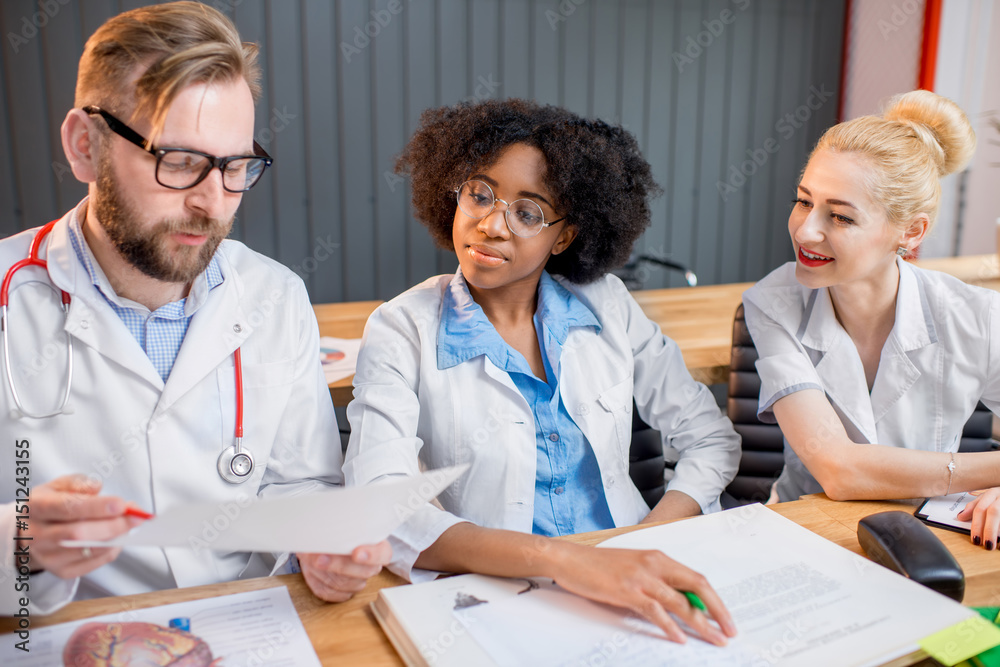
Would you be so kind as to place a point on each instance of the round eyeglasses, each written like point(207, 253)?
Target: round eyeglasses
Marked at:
point(181, 168)
point(524, 217)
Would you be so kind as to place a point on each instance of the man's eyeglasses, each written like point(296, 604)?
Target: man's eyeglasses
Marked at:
point(524, 217)
point(181, 168)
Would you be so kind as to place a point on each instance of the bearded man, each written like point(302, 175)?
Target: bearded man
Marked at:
point(191, 369)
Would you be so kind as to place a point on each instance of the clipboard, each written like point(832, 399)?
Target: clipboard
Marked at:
point(940, 512)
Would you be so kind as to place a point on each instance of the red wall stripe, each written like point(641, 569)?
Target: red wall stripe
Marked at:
point(929, 48)
point(843, 60)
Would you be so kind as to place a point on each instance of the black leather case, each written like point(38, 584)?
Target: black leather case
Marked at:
point(900, 542)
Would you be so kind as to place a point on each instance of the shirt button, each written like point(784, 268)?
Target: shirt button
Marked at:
point(554, 437)
point(583, 409)
point(84, 324)
point(559, 490)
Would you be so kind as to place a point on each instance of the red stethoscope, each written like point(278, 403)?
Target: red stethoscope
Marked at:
point(235, 463)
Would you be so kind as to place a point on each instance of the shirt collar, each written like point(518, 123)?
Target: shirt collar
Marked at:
point(205, 282)
point(913, 327)
point(465, 332)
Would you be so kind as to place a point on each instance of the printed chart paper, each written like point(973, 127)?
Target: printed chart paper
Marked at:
point(242, 630)
point(333, 522)
point(339, 357)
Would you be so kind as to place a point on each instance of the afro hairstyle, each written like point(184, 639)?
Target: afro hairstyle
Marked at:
point(600, 181)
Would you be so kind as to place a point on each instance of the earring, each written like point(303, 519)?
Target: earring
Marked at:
point(901, 251)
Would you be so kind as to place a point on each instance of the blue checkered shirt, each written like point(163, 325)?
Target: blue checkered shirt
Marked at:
point(161, 332)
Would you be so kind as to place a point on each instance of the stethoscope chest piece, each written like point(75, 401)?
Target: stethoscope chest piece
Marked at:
point(235, 464)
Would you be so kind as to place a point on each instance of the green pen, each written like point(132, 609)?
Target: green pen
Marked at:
point(695, 601)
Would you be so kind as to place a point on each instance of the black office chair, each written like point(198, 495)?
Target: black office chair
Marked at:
point(646, 464)
point(763, 444)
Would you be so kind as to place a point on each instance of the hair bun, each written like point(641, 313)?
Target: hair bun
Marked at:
point(941, 124)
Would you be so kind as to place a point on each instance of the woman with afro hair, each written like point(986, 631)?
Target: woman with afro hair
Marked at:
point(525, 362)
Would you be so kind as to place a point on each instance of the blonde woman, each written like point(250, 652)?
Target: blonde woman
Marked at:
point(859, 349)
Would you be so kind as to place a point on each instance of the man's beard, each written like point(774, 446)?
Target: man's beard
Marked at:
point(148, 249)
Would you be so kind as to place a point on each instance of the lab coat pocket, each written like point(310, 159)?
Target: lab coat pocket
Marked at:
point(617, 400)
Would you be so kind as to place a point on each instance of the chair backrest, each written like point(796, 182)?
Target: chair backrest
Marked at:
point(763, 444)
point(646, 465)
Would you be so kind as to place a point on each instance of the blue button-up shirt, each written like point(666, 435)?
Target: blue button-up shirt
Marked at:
point(161, 332)
point(569, 494)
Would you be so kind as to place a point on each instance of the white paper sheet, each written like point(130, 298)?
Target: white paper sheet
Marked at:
point(943, 510)
point(333, 522)
point(245, 629)
point(339, 357)
point(797, 599)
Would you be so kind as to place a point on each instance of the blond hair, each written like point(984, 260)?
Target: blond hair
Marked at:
point(178, 44)
point(919, 138)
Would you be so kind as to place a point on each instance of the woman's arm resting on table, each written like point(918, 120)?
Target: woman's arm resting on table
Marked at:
point(851, 471)
point(673, 505)
point(646, 582)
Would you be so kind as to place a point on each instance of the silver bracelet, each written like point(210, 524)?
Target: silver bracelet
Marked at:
point(951, 473)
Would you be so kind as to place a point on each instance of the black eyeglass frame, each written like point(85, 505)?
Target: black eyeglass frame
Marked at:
point(130, 135)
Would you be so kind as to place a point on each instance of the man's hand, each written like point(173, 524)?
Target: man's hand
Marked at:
point(68, 508)
point(337, 578)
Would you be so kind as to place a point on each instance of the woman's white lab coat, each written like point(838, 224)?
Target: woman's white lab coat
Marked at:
point(156, 445)
point(407, 413)
point(942, 356)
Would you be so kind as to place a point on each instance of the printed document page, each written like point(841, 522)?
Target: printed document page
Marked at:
point(241, 630)
point(348, 518)
point(797, 599)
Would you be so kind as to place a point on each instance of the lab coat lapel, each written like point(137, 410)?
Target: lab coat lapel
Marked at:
point(91, 321)
point(912, 330)
point(218, 327)
point(840, 365)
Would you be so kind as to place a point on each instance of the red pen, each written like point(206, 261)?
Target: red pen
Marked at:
point(138, 513)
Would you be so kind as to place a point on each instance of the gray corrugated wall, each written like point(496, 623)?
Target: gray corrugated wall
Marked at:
point(706, 87)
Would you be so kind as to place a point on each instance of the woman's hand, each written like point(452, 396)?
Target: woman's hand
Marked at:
point(984, 513)
point(648, 583)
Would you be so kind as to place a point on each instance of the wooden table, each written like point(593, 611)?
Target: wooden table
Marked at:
point(699, 319)
point(347, 633)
